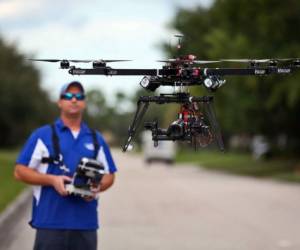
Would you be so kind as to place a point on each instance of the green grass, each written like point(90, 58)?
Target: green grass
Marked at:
point(243, 164)
point(9, 187)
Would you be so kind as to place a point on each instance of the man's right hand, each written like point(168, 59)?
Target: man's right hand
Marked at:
point(31, 176)
point(58, 182)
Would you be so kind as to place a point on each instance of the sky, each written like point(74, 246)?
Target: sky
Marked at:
point(76, 29)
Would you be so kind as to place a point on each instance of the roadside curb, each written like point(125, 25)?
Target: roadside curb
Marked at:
point(12, 213)
point(12, 208)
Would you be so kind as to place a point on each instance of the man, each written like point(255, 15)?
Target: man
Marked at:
point(64, 221)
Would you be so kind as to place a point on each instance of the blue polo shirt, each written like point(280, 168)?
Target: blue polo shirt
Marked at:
point(51, 210)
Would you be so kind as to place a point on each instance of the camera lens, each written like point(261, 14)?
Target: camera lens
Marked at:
point(176, 129)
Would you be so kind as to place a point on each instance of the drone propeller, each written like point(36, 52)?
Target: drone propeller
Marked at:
point(205, 62)
point(45, 60)
point(272, 62)
point(77, 61)
point(116, 60)
point(65, 64)
point(247, 60)
point(188, 61)
point(287, 59)
point(261, 60)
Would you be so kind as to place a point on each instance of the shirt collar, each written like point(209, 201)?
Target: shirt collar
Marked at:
point(61, 126)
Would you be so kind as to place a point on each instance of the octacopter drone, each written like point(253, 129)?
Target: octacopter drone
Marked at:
point(196, 122)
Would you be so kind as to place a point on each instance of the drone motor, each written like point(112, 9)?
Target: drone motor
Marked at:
point(99, 64)
point(64, 64)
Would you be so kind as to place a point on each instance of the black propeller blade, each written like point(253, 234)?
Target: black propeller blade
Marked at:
point(45, 60)
point(287, 59)
point(262, 60)
point(76, 61)
point(247, 60)
point(205, 62)
point(188, 61)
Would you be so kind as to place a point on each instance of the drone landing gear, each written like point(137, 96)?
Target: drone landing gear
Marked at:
point(139, 114)
point(189, 126)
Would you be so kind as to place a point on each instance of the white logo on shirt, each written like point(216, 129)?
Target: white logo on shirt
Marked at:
point(89, 146)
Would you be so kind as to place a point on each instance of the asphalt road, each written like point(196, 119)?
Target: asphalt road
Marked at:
point(187, 208)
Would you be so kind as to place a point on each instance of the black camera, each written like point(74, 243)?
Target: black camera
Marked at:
point(176, 129)
point(194, 131)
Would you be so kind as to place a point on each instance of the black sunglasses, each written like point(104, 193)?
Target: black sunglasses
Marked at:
point(69, 96)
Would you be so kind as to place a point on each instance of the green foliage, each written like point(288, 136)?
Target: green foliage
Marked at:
point(9, 188)
point(243, 164)
point(23, 105)
point(111, 121)
point(163, 114)
point(249, 29)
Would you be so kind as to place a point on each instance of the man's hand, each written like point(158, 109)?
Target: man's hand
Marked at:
point(58, 182)
point(33, 177)
point(106, 182)
point(95, 190)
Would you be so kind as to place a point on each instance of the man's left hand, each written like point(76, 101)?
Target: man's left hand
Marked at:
point(95, 190)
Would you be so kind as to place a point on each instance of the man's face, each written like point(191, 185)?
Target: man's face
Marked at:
point(72, 107)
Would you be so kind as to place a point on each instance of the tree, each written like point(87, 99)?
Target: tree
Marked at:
point(249, 29)
point(23, 104)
